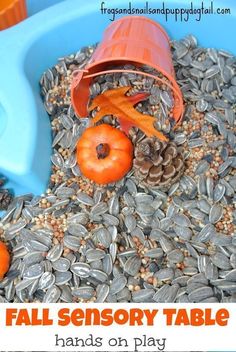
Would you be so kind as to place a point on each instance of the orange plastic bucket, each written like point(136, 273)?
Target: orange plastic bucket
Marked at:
point(132, 39)
point(12, 12)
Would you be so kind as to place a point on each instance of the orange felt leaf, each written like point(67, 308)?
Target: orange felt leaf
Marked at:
point(115, 102)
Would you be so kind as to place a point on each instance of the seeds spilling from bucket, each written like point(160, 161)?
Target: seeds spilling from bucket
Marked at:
point(127, 242)
point(159, 102)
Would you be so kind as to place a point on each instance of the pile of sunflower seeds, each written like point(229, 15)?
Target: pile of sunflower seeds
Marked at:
point(79, 242)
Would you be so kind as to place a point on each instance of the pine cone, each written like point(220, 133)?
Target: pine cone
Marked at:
point(5, 199)
point(157, 164)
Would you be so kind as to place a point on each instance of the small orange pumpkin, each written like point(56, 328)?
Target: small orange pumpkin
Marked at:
point(104, 154)
point(4, 260)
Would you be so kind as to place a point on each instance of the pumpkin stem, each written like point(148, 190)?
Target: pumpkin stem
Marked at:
point(103, 150)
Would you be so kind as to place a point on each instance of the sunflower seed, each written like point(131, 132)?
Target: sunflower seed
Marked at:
point(145, 209)
point(181, 220)
point(231, 275)
point(196, 214)
point(210, 187)
point(201, 185)
point(175, 256)
point(166, 99)
point(225, 285)
point(165, 274)
point(205, 234)
point(222, 168)
point(107, 264)
point(195, 143)
point(33, 272)
point(202, 167)
point(166, 294)
point(80, 269)
point(95, 254)
point(118, 283)
point(201, 105)
point(99, 275)
point(62, 264)
point(221, 261)
point(23, 284)
point(113, 251)
point(61, 278)
point(204, 206)
point(77, 230)
point(99, 209)
point(183, 232)
point(102, 293)
point(52, 295)
point(85, 199)
point(36, 245)
point(216, 213)
point(155, 253)
point(130, 222)
point(166, 244)
point(221, 240)
point(72, 242)
point(11, 232)
point(79, 218)
point(33, 258)
point(132, 265)
point(219, 192)
point(180, 138)
point(84, 292)
point(110, 220)
point(200, 294)
point(143, 295)
point(46, 281)
point(104, 237)
point(55, 252)
point(211, 271)
point(57, 160)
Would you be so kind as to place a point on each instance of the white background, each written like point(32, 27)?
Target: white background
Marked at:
point(178, 338)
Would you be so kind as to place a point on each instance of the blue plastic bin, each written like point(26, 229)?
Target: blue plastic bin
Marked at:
point(34, 6)
point(32, 46)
